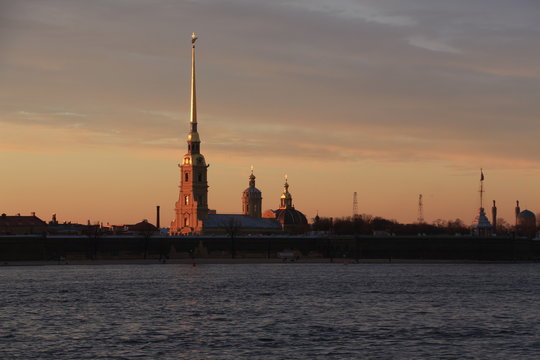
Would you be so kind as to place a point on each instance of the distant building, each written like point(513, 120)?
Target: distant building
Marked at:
point(21, 225)
point(481, 225)
point(140, 228)
point(65, 228)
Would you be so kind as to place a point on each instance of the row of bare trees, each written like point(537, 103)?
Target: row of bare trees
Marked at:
point(367, 225)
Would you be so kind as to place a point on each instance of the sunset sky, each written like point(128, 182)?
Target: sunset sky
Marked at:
point(388, 98)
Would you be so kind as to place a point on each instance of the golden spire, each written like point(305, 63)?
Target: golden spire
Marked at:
point(193, 92)
point(193, 136)
point(252, 178)
point(286, 198)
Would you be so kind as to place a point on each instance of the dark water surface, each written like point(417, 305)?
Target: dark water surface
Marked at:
point(271, 311)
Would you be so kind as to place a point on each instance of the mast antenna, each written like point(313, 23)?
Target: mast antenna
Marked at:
point(355, 205)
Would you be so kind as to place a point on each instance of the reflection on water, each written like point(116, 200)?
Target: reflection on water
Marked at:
point(271, 311)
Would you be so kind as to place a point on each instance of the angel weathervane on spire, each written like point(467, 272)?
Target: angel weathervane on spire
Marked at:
point(194, 38)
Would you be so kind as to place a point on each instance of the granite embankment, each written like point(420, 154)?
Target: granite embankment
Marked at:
point(272, 248)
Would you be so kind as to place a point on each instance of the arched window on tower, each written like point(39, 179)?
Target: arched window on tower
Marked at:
point(199, 177)
point(186, 200)
point(186, 177)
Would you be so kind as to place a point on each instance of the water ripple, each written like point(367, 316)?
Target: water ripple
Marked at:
point(301, 311)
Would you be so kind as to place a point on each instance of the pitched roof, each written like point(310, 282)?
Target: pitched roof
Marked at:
point(142, 226)
point(18, 220)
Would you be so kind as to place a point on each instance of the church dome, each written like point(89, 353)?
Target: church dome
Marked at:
point(526, 218)
point(292, 220)
point(252, 191)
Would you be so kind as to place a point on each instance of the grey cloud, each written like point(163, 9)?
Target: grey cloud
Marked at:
point(331, 67)
point(432, 44)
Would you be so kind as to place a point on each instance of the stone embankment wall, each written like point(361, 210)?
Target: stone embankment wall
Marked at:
point(35, 247)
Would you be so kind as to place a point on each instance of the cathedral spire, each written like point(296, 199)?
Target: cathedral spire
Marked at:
point(193, 136)
point(192, 205)
point(193, 118)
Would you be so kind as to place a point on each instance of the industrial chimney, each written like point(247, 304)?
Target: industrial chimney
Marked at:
point(494, 217)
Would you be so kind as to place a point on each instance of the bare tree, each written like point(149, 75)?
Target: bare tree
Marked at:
point(93, 232)
point(503, 227)
point(232, 228)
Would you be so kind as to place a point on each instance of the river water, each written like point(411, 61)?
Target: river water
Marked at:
point(271, 311)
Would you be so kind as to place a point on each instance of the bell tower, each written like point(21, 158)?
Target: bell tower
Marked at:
point(192, 205)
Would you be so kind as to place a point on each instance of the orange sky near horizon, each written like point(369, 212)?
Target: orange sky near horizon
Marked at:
point(378, 97)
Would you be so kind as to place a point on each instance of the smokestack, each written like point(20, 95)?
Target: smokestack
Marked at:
point(494, 216)
point(157, 216)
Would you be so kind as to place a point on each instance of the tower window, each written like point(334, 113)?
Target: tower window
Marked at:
point(186, 200)
point(186, 177)
point(186, 221)
point(200, 177)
